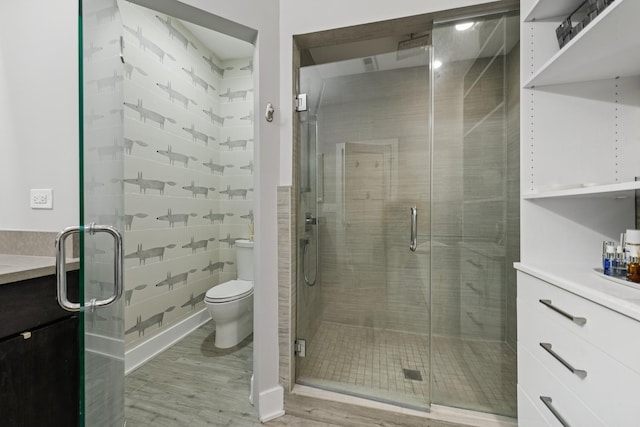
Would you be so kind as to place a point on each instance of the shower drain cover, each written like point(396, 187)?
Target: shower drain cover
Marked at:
point(412, 374)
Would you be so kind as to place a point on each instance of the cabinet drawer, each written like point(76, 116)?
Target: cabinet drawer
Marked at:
point(611, 332)
point(32, 303)
point(539, 383)
point(596, 377)
point(528, 414)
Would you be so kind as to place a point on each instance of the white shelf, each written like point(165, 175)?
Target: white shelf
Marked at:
point(599, 272)
point(545, 9)
point(606, 48)
point(624, 189)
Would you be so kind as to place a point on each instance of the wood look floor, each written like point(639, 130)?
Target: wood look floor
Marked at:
point(195, 384)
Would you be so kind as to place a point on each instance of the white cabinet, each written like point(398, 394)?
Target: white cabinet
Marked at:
point(580, 156)
point(574, 346)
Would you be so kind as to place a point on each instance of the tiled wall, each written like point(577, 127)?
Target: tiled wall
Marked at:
point(287, 291)
point(368, 276)
point(513, 190)
point(446, 209)
point(188, 169)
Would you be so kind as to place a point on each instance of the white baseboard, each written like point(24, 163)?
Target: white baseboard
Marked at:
point(147, 350)
point(270, 404)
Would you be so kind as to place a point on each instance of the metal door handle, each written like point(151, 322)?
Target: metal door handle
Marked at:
point(61, 267)
point(578, 320)
point(413, 244)
point(578, 372)
point(548, 403)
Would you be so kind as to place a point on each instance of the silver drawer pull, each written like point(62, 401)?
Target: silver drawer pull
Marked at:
point(548, 402)
point(582, 374)
point(577, 320)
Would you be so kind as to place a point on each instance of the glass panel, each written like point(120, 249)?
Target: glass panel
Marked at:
point(101, 196)
point(363, 296)
point(475, 214)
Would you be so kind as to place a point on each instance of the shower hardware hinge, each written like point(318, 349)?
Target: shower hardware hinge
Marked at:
point(300, 348)
point(301, 102)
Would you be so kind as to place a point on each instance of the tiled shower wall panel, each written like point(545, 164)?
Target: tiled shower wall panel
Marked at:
point(513, 190)
point(446, 202)
point(360, 255)
point(286, 284)
point(188, 169)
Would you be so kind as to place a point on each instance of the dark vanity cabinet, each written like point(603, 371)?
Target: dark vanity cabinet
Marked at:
point(39, 376)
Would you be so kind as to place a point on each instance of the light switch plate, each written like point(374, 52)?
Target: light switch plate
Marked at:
point(41, 198)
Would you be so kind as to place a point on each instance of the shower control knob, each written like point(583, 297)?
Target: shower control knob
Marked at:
point(309, 220)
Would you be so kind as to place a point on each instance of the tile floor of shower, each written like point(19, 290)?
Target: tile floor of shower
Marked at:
point(364, 361)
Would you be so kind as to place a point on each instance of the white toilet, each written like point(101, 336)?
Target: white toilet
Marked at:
point(230, 304)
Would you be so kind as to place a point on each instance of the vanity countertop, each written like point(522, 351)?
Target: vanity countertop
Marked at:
point(14, 268)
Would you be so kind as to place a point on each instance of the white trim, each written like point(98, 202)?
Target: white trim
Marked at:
point(271, 404)
point(142, 353)
point(437, 412)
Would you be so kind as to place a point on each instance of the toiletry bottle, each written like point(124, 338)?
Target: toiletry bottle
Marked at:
point(633, 269)
point(632, 242)
point(619, 263)
point(608, 256)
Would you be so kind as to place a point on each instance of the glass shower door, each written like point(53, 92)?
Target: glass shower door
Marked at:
point(101, 216)
point(475, 213)
point(364, 162)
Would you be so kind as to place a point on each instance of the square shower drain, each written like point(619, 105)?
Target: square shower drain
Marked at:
point(412, 374)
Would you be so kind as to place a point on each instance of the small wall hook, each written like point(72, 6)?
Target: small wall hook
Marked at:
point(268, 114)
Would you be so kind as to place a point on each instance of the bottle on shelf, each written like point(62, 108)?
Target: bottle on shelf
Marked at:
point(608, 257)
point(633, 269)
point(619, 268)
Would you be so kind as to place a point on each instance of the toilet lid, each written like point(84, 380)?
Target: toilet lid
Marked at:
point(229, 291)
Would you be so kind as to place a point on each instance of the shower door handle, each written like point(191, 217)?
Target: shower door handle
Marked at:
point(413, 243)
point(61, 270)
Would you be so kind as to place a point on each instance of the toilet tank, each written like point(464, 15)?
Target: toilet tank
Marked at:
point(244, 259)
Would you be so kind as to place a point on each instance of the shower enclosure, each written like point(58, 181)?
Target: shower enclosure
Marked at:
point(408, 220)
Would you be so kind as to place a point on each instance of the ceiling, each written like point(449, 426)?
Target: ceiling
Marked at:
point(449, 44)
point(223, 46)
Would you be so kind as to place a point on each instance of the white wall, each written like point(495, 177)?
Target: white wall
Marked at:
point(38, 112)
point(308, 16)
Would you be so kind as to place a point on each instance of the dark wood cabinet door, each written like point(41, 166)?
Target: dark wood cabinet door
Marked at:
point(39, 380)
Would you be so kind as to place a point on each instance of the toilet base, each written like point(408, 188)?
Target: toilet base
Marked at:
point(234, 321)
point(232, 333)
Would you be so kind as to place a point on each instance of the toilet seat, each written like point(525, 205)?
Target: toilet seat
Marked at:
point(229, 291)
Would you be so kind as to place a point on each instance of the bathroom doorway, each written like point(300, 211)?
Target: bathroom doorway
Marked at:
point(407, 178)
point(168, 161)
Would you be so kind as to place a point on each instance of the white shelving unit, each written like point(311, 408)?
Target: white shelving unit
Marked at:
point(543, 9)
point(612, 191)
point(580, 156)
point(606, 48)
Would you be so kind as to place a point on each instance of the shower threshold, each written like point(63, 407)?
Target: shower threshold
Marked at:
point(356, 406)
